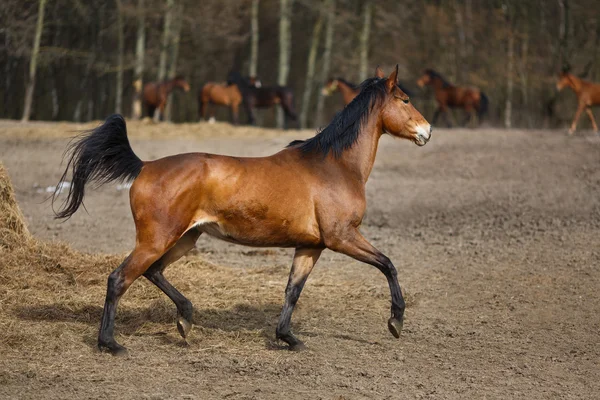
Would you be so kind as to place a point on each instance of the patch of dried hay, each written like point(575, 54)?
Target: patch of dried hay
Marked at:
point(13, 230)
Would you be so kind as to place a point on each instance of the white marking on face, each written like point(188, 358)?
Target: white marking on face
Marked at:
point(424, 131)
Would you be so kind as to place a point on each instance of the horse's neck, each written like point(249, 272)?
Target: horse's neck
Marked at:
point(347, 92)
point(168, 86)
point(438, 84)
point(576, 84)
point(359, 159)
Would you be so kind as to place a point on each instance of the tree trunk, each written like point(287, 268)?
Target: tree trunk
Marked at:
point(285, 11)
point(523, 68)
point(33, 63)
point(509, 80)
point(174, 53)
point(164, 46)
point(462, 67)
point(120, 51)
point(138, 74)
point(309, 82)
point(330, 9)
point(253, 39)
point(563, 32)
point(469, 26)
point(364, 41)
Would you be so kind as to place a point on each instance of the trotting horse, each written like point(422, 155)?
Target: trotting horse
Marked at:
point(262, 97)
point(588, 95)
point(224, 95)
point(155, 94)
point(348, 90)
point(309, 196)
point(472, 100)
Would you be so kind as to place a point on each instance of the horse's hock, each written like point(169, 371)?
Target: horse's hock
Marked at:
point(13, 229)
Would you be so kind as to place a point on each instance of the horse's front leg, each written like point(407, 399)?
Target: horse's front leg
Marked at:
point(576, 118)
point(304, 261)
point(353, 244)
point(436, 114)
point(588, 110)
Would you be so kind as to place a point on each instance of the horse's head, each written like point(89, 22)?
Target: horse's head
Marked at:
point(425, 79)
point(329, 87)
point(564, 79)
point(180, 82)
point(399, 117)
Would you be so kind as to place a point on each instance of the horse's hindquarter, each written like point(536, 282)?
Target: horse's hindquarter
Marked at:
point(252, 201)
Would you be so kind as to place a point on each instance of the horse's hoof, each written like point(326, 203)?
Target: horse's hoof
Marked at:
point(113, 348)
point(395, 327)
point(297, 346)
point(184, 327)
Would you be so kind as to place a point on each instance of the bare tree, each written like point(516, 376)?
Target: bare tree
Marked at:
point(364, 40)
point(33, 63)
point(252, 71)
point(120, 51)
point(174, 54)
point(309, 81)
point(510, 57)
point(164, 47)
point(330, 9)
point(285, 11)
point(138, 73)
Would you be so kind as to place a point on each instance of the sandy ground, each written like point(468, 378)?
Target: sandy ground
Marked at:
point(495, 235)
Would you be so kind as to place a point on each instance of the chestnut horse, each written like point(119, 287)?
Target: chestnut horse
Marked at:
point(155, 94)
point(224, 95)
point(262, 97)
point(348, 90)
point(309, 196)
point(472, 100)
point(588, 95)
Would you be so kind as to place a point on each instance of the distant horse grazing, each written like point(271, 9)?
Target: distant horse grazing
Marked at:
point(309, 196)
point(588, 95)
point(224, 95)
point(472, 100)
point(262, 97)
point(348, 90)
point(155, 94)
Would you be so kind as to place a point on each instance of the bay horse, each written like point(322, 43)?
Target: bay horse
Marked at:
point(348, 90)
point(224, 95)
point(471, 99)
point(588, 95)
point(155, 94)
point(309, 196)
point(263, 97)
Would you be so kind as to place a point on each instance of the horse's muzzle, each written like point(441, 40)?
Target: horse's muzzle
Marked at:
point(423, 134)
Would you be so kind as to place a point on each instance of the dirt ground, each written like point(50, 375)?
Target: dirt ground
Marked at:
point(495, 234)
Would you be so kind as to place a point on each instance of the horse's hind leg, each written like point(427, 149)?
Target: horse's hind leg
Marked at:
point(589, 113)
point(155, 275)
point(118, 282)
point(304, 261)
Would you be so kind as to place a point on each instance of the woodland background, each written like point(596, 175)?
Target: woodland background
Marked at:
point(91, 52)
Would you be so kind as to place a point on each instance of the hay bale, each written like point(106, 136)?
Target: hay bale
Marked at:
point(13, 230)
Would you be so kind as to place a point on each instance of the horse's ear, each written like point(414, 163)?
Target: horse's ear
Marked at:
point(379, 72)
point(392, 80)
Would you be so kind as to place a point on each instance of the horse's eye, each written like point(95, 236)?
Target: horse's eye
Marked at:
point(405, 101)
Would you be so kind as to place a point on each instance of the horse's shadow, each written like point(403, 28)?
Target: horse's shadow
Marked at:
point(130, 320)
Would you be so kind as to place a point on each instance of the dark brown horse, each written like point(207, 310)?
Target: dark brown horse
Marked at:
point(348, 90)
point(223, 94)
point(309, 196)
point(472, 100)
point(588, 95)
point(155, 94)
point(263, 97)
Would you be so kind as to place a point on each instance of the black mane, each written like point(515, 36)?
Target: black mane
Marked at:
point(344, 129)
point(433, 74)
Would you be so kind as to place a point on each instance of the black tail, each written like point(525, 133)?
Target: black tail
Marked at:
point(483, 106)
point(102, 155)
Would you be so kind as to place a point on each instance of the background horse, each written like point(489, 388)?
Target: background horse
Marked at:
point(224, 95)
point(155, 94)
point(472, 100)
point(262, 97)
point(348, 90)
point(309, 196)
point(588, 95)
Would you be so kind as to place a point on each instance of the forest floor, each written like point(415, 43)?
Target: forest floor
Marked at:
point(495, 234)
